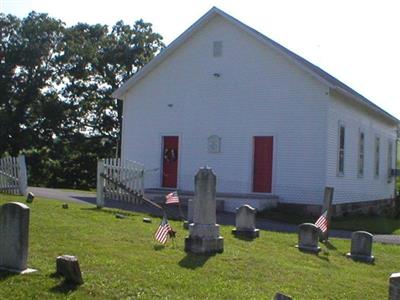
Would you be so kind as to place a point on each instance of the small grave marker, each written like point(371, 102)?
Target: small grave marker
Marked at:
point(308, 238)
point(280, 296)
point(394, 286)
point(30, 197)
point(68, 267)
point(190, 214)
point(361, 247)
point(246, 222)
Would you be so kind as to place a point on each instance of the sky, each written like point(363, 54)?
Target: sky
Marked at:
point(356, 41)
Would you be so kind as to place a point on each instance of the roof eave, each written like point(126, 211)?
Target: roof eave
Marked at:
point(368, 104)
point(121, 91)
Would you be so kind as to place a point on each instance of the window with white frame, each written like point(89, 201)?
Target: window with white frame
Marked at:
point(377, 150)
point(390, 160)
point(361, 143)
point(341, 150)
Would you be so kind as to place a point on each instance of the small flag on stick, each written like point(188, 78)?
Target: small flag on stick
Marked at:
point(172, 198)
point(163, 231)
point(322, 222)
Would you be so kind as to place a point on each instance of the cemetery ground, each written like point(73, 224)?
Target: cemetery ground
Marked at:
point(373, 224)
point(119, 258)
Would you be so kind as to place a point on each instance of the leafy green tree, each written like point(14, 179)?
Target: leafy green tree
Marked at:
point(55, 92)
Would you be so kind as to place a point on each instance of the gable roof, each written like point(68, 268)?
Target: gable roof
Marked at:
point(312, 69)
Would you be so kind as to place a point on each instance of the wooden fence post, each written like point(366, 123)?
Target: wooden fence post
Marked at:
point(22, 176)
point(100, 184)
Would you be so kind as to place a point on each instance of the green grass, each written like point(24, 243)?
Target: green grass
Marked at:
point(120, 260)
point(377, 225)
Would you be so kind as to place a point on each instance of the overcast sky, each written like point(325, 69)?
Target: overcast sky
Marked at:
point(358, 42)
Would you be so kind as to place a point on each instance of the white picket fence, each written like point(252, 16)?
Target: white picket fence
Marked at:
point(13, 178)
point(121, 180)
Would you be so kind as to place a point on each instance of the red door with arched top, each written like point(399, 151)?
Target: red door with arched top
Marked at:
point(170, 161)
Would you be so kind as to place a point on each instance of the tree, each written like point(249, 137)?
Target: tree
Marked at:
point(30, 111)
point(55, 92)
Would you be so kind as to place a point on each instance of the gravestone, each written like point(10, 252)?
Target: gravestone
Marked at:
point(189, 214)
point(361, 247)
point(308, 238)
point(246, 222)
point(394, 286)
point(68, 267)
point(280, 296)
point(204, 235)
point(65, 206)
point(14, 237)
point(30, 197)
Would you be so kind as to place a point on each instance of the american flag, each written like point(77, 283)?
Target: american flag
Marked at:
point(172, 198)
point(163, 230)
point(322, 222)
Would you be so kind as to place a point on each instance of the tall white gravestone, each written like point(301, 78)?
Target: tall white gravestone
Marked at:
point(204, 235)
point(14, 237)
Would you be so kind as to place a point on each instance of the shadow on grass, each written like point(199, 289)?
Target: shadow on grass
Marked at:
point(329, 246)
point(124, 208)
point(6, 274)
point(159, 247)
point(108, 211)
point(63, 287)
point(194, 261)
point(244, 238)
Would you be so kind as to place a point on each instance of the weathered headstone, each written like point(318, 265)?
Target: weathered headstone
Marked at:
point(65, 205)
point(204, 235)
point(30, 197)
point(394, 286)
point(146, 220)
point(361, 246)
point(246, 222)
point(280, 296)
point(308, 238)
point(189, 214)
point(14, 237)
point(120, 216)
point(68, 267)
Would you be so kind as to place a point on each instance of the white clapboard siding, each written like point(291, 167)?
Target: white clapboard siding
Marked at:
point(120, 180)
point(13, 178)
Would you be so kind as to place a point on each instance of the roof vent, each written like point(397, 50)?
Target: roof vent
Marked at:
point(217, 48)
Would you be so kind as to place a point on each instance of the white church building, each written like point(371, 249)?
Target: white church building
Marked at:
point(267, 121)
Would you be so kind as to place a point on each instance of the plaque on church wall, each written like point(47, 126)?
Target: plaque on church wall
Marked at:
point(214, 144)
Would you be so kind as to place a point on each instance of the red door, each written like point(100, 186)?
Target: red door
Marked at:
point(262, 169)
point(170, 161)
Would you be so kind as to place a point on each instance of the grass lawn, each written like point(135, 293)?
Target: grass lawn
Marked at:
point(120, 260)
